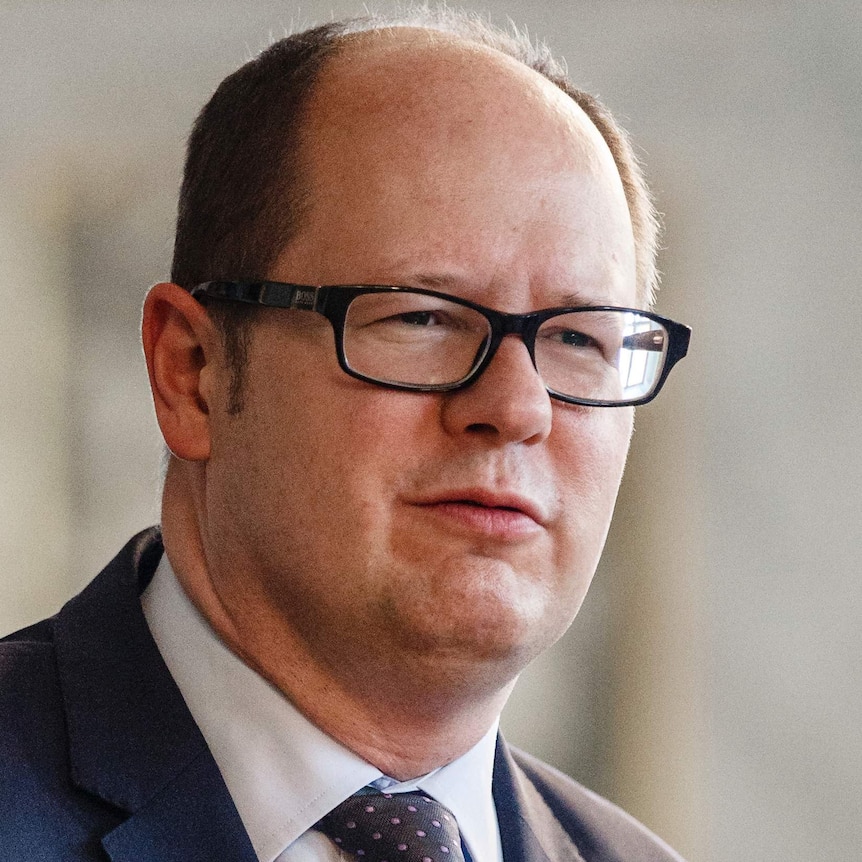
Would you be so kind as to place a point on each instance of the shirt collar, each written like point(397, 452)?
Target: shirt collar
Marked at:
point(282, 771)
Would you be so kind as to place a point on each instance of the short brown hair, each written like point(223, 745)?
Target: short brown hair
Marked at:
point(243, 194)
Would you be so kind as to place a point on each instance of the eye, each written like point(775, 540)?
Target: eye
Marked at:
point(414, 318)
point(568, 337)
point(443, 319)
point(573, 338)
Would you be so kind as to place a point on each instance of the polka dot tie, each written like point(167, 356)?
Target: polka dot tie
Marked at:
point(394, 827)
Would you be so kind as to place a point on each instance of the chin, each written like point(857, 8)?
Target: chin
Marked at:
point(479, 610)
point(486, 634)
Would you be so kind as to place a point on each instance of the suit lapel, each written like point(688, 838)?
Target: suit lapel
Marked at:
point(191, 819)
point(132, 741)
point(529, 831)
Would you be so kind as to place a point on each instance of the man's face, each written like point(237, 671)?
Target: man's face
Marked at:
point(457, 531)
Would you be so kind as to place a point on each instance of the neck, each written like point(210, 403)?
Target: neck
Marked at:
point(405, 737)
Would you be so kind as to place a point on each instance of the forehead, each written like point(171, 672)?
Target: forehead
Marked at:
point(425, 148)
point(402, 93)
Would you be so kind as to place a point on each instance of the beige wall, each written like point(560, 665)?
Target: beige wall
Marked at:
point(712, 682)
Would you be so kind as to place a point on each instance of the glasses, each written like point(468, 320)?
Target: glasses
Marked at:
point(425, 341)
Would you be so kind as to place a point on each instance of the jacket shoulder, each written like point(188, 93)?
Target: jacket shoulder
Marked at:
point(41, 814)
point(41, 632)
point(602, 831)
point(29, 686)
point(44, 814)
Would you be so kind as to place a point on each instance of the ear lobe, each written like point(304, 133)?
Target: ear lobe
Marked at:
point(179, 345)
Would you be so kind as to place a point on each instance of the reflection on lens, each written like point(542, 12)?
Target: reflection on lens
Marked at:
point(601, 355)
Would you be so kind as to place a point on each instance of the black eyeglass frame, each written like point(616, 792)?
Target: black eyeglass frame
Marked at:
point(332, 301)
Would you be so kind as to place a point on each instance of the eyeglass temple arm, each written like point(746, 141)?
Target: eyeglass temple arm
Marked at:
point(270, 293)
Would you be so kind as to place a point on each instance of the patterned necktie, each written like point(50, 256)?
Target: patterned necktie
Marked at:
point(394, 827)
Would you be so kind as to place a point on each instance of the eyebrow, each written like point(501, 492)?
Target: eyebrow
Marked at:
point(452, 283)
point(435, 282)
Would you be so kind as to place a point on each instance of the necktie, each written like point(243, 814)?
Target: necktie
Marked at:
point(394, 827)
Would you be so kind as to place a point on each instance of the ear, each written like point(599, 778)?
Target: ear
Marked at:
point(181, 347)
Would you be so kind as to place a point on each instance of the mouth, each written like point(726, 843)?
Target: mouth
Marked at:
point(491, 513)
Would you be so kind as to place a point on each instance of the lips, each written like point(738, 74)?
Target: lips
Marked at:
point(486, 507)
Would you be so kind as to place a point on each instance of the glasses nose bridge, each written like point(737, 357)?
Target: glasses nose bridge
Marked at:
point(503, 324)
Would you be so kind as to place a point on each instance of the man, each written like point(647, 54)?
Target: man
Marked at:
point(381, 502)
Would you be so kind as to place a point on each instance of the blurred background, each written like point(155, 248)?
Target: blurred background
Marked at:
point(712, 682)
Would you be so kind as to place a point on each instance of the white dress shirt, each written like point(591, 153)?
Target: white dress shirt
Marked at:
point(282, 771)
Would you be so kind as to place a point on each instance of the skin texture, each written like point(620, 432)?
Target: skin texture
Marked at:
point(392, 560)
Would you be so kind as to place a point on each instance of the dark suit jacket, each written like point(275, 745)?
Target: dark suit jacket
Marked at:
point(100, 758)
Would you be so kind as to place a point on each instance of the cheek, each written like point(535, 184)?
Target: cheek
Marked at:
point(590, 466)
point(345, 455)
point(593, 449)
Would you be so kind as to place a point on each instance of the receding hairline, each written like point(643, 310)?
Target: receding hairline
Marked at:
point(356, 49)
point(397, 35)
point(358, 82)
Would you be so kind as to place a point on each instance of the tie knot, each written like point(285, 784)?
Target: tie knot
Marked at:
point(394, 827)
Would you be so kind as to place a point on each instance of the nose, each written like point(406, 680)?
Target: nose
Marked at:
point(507, 404)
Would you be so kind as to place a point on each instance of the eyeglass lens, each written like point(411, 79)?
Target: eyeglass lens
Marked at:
point(420, 340)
